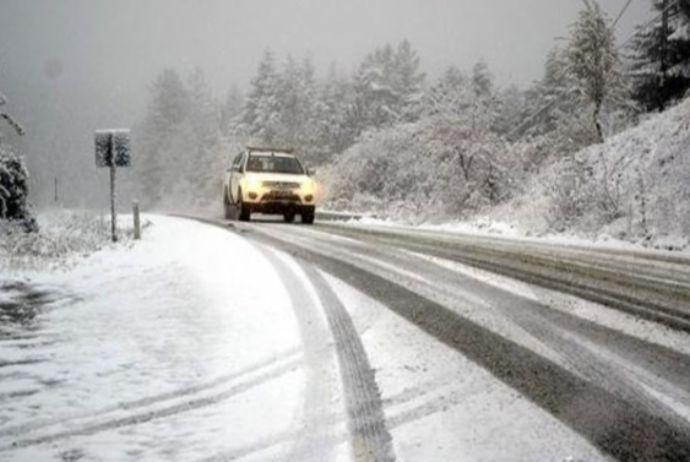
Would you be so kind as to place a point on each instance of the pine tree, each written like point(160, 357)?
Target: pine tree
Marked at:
point(261, 114)
point(482, 80)
point(450, 94)
point(231, 111)
point(375, 100)
point(660, 67)
point(510, 104)
point(200, 160)
point(408, 81)
point(549, 100)
point(330, 115)
point(168, 110)
point(388, 88)
point(297, 93)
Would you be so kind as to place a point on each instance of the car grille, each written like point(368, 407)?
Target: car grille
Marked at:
point(280, 196)
point(281, 185)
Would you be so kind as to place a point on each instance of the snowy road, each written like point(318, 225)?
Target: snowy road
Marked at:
point(610, 375)
point(264, 341)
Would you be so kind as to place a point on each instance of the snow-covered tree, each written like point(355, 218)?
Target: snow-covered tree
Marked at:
point(297, 94)
point(450, 94)
point(201, 161)
point(375, 99)
point(261, 114)
point(231, 111)
point(660, 67)
point(408, 81)
point(592, 62)
point(183, 147)
point(482, 80)
point(167, 112)
point(330, 119)
point(549, 98)
point(388, 87)
point(14, 178)
point(510, 104)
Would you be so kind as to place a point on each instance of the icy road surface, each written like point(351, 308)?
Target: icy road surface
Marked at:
point(272, 342)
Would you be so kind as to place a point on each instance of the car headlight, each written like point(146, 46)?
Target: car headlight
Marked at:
point(252, 184)
point(308, 187)
point(308, 190)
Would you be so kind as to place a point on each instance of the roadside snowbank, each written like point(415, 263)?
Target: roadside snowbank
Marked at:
point(499, 229)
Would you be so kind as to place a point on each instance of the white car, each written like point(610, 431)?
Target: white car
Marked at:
point(269, 181)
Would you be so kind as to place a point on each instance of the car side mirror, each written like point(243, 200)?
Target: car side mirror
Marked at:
point(311, 171)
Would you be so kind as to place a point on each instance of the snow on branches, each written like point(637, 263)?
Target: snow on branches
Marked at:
point(592, 63)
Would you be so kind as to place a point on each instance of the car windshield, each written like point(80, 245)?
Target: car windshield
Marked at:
point(274, 164)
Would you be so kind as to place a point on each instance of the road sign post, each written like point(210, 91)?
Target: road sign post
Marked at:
point(112, 151)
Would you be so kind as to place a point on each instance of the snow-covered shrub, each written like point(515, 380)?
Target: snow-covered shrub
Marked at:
point(63, 236)
point(585, 195)
point(432, 169)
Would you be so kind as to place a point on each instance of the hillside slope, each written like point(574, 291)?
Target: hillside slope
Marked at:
point(634, 187)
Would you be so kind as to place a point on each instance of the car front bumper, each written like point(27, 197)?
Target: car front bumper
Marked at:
point(280, 202)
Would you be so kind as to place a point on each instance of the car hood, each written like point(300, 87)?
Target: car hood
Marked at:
point(286, 177)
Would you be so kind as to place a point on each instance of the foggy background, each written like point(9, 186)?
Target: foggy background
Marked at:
point(69, 67)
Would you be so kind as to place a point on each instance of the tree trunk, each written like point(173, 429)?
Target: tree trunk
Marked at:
point(597, 125)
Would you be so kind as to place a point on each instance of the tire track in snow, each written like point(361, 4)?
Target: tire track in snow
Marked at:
point(615, 360)
point(656, 294)
point(371, 440)
point(149, 400)
point(317, 437)
point(257, 376)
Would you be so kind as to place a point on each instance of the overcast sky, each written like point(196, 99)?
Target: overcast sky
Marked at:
point(124, 43)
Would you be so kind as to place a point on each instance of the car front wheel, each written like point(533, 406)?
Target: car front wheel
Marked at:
point(308, 217)
point(289, 217)
point(229, 208)
point(245, 212)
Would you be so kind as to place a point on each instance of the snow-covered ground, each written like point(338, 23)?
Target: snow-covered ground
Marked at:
point(633, 188)
point(177, 320)
point(189, 345)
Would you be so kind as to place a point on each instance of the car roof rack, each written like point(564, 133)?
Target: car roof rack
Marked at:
point(265, 149)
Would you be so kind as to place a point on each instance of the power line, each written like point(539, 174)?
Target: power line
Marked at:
point(647, 24)
point(620, 15)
